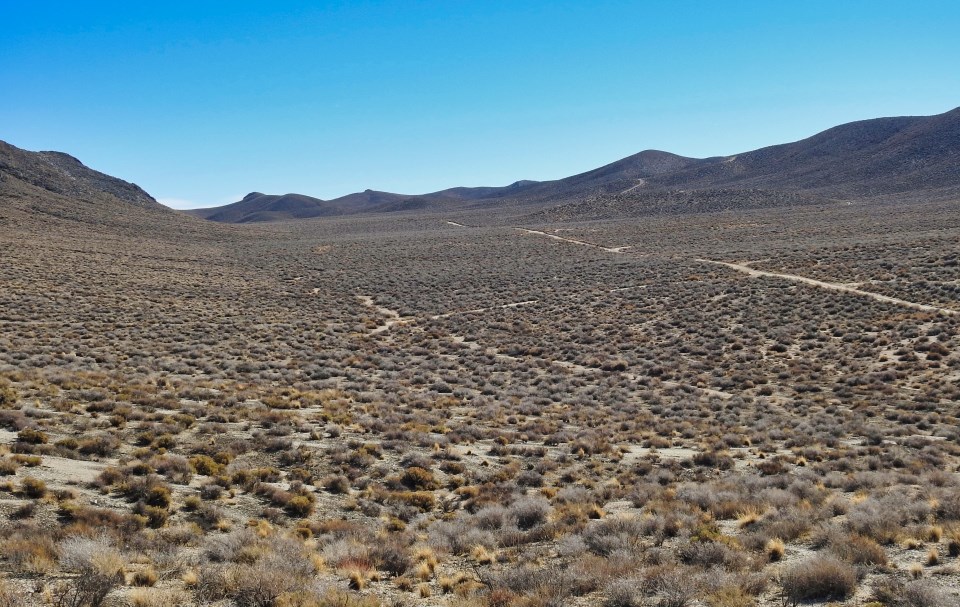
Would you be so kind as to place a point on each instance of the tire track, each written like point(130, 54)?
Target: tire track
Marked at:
point(833, 286)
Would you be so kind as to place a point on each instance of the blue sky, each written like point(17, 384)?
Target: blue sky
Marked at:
point(202, 102)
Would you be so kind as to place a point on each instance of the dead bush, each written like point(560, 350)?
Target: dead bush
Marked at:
point(819, 578)
point(10, 596)
point(99, 569)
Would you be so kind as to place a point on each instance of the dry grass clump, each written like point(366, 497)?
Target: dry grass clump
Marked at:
point(10, 596)
point(33, 487)
point(157, 597)
point(8, 466)
point(144, 577)
point(253, 571)
point(819, 578)
point(859, 550)
point(775, 549)
point(99, 569)
point(910, 594)
point(30, 551)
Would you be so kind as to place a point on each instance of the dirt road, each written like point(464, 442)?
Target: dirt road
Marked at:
point(833, 286)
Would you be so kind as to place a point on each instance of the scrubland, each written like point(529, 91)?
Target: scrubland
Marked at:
point(407, 412)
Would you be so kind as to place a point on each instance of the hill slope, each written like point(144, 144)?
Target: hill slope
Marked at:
point(49, 193)
point(265, 207)
point(612, 177)
point(63, 174)
point(865, 158)
point(913, 155)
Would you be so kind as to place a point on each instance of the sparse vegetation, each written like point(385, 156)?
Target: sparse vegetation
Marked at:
point(480, 416)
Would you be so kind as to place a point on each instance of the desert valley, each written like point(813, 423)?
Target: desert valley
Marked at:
point(669, 381)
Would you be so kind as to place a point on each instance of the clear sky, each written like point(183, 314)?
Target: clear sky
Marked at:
point(201, 102)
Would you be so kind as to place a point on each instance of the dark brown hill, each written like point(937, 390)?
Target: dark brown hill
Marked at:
point(267, 207)
point(611, 178)
point(63, 174)
point(865, 158)
point(50, 195)
point(257, 207)
point(917, 156)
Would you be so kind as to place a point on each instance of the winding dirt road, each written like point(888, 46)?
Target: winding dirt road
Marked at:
point(833, 286)
point(571, 240)
point(640, 184)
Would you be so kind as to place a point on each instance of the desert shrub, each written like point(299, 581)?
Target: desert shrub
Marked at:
point(31, 461)
point(859, 550)
point(547, 583)
point(157, 495)
point(154, 516)
point(529, 478)
point(953, 546)
point(325, 597)
point(423, 501)
point(175, 467)
point(99, 569)
point(710, 554)
point(211, 583)
point(8, 467)
point(922, 593)
point(729, 596)
point(713, 459)
point(111, 475)
point(158, 597)
point(211, 491)
point(625, 593)
point(30, 552)
point(89, 517)
point(391, 556)
point(205, 465)
point(948, 508)
point(100, 445)
point(416, 478)
point(27, 510)
point(228, 547)
point(33, 487)
point(32, 436)
point(337, 484)
point(8, 395)
point(248, 478)
point(672, 588)
point(613, 534)
point(10, 596)
point(529, 511)
point(457, 537)
point(286, 568)
point(880, 519)
point(144, 577)
point(819, 578)
point(300, 505)
point(348, 553)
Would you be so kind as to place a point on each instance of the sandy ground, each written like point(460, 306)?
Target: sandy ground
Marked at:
point(57, 470)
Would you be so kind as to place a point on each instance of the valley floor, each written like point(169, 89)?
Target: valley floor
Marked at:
point(721, 410)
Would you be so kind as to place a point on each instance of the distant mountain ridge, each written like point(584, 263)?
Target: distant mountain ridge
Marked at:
point(882, 157)
point(256, 207)
point(868, 158)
